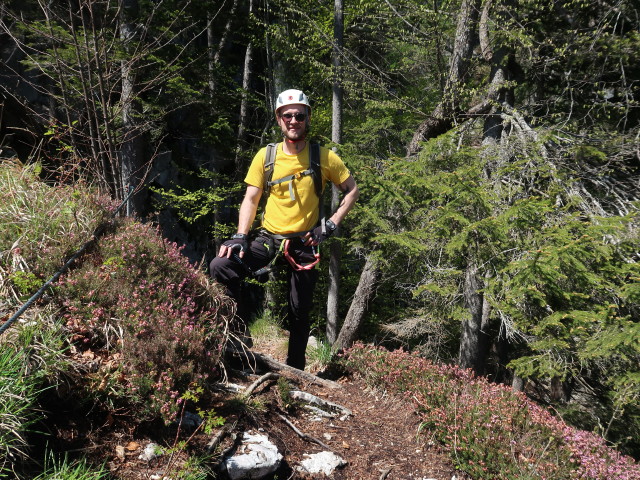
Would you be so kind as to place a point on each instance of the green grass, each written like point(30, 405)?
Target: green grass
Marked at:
point(321, 355)
point(265, 327)
point(17, 411)
point(64, 469)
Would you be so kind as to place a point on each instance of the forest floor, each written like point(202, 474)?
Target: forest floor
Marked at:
point(379, 440)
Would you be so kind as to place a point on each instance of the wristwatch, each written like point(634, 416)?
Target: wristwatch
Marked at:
point(331, 227)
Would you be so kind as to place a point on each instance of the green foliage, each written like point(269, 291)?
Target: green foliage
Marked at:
point(210, 419)
point(320, 355)
point(284, 393)
point(581, 67)
point(553, 273)
point(26, 283)
point(198, 206)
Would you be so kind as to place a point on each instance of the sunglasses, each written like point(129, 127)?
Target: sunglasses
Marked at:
point(300, 117)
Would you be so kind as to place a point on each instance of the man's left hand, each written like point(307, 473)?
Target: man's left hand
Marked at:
point(317, 236)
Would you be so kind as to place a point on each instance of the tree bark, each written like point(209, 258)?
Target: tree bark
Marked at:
point(361, 299)
point(333, 298)
point(475, 338)
point(500, 90)
point(214, 56)
point(132, 149)
point(443, 116)
point(244, 103)
point(474, 341)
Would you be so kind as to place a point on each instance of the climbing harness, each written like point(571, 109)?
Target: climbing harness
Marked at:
point(295, 265)
point(283, 249)
point(315, 171)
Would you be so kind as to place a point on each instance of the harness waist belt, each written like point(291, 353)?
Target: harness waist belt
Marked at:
point(284, 236)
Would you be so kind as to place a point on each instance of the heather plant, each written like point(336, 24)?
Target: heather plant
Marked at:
point(137, 296)
point(491, 431)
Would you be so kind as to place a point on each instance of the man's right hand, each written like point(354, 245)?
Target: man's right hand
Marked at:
point(236, 244)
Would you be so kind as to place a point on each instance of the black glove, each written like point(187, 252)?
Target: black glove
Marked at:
point(318, 236)
point(237, 243)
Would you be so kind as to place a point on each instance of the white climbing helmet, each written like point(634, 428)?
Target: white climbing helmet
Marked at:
point(292, 97)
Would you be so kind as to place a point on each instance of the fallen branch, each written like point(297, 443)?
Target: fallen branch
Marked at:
point(304, 436)
point(224, 431)
point(281, 367)
point(309, 398)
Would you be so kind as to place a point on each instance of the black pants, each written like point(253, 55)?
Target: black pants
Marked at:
point(301, 283)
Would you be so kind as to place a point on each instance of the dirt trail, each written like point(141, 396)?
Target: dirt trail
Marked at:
point(378, 441)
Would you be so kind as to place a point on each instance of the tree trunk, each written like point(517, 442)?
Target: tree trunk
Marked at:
point(355, 316)
point(474, 341)
point(132, 149)
point(333, 298)
point(442, 118)
point(244, 103)
point(214, 56)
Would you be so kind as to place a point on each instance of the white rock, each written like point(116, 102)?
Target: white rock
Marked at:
point(257, 457)
point(150, 452)
point(323, 462)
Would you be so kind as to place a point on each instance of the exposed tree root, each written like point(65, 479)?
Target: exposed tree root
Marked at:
point(304, 436)
point(266, 377)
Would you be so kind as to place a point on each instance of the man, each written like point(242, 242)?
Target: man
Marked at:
point(291, 223)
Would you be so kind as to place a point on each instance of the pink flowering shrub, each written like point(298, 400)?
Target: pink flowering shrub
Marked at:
point(138, 295)
point(491, 431)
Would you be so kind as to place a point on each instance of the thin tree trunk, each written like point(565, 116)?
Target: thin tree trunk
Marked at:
point(474, 340)
point(214, 55)
point(333, 298)
point(244, 103)
point(105, 140)
point(132, 145)
point(361, 299)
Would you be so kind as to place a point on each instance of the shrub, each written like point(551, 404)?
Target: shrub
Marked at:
point(491, 431)
point(137, 295)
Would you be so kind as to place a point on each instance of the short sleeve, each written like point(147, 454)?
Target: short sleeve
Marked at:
point(336, 171)
point(255, 174)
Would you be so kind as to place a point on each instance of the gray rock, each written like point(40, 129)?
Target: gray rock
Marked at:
point(190, 421)
point(256, 458)
point(323, 462)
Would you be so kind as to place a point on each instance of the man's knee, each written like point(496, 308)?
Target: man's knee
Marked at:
point(224, 271)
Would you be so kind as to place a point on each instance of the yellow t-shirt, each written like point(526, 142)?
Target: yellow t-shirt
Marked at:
point(284, 214)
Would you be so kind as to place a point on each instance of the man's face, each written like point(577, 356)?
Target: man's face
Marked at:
point(292, 128)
